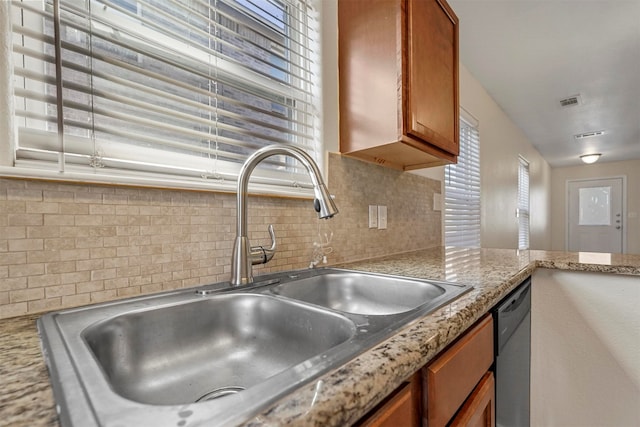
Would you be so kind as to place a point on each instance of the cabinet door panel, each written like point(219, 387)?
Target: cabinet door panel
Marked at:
point(450, 378)
point(398, 82)
point(480, 409)
point(402, 409)
point(432, 87)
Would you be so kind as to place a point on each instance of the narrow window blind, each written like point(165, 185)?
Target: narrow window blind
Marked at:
point(522, 211)
point(462, 190)
point(180, 90)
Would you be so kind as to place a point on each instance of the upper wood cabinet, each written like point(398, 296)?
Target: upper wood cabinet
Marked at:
point(398, 67)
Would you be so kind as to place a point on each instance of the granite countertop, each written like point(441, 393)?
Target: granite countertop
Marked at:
point(342, 396)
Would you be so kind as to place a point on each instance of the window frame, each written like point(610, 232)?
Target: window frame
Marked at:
point(262, 183)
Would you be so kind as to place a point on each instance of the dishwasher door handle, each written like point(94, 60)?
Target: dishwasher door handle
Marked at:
point(515, 302)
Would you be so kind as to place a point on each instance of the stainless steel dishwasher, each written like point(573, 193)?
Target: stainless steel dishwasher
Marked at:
point(512, 319)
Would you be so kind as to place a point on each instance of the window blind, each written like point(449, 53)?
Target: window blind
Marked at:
point(460, 259)
point(462, 189)
point(522, 211)
point(169, 89)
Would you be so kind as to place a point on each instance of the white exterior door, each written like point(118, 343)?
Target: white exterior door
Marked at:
point(595, 216)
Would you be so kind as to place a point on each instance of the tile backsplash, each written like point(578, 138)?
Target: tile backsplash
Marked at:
point(64, 245)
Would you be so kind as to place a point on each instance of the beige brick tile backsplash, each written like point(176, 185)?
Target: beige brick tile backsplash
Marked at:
point(63, 245)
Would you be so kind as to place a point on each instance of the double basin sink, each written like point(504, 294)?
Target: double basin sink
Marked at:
point(216, 355)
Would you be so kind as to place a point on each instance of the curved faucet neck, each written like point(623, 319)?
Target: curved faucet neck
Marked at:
point(251, 163)
point(241, 261)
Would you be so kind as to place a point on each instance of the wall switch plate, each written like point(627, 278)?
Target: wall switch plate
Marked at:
point(373, 216)
point(437, 202)
point(382, 217)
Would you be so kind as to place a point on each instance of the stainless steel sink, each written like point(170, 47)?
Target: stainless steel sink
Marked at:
point(362, 293)
point(217, 355)
point(210, 348)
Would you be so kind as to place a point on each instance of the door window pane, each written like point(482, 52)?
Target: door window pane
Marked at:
point(595, 206)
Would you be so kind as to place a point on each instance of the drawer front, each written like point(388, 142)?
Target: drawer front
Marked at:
point(401, 409)
point(451, 378)
point(480, 408)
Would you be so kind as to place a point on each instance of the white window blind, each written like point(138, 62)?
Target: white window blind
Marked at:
point(178, 90)
point(462, 189)
point(522, 211)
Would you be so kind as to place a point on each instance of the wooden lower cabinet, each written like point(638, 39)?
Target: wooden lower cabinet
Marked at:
point(449, 379)
point(479, 410)
point(400, 409)
point(455, 389)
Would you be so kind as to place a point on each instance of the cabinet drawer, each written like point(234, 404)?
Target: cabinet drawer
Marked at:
point(451, 378)
point(480, 408)
point(401, 409)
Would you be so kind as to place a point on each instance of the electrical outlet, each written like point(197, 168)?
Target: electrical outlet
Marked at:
point(382, 217)
point(373, 216)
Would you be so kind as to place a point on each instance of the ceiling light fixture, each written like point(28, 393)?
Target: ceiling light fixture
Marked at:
point(590, 158)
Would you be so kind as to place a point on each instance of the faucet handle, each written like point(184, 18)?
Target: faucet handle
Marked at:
point(262, 255)
point(272, 234)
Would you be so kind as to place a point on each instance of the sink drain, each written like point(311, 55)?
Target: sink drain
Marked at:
point(220, 392)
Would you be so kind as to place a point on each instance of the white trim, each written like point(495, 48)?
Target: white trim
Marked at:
point(7, 107)
point(468, 117)
point(160, 182)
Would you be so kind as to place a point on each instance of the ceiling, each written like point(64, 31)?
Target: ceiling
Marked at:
point(530, 54)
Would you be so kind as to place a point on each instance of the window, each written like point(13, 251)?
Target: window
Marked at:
point(166, 90)
point(522, 211)
point(462, 189)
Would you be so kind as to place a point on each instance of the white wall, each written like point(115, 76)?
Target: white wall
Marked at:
point(501, 142)
point(330, 101)
point(559, 177)
point(585, 348)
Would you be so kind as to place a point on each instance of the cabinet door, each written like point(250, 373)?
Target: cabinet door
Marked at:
point(479, 410)
point(401, 409)
point(450, 378)
point(432, 73)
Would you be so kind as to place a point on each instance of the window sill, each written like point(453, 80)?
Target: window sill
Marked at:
point(153, 181)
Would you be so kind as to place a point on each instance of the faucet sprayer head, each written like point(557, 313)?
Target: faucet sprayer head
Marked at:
point(323, 203)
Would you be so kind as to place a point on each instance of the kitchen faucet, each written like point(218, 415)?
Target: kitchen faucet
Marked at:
point(244, 255)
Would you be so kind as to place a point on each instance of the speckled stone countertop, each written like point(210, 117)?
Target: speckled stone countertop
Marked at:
point(340, 397)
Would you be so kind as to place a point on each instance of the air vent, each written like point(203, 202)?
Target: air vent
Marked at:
point(588, 134)
point(571, 101)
